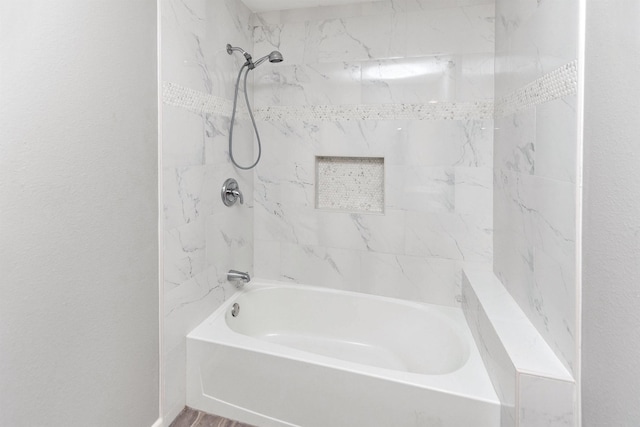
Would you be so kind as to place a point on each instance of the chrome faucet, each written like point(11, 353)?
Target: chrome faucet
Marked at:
point(235, 275)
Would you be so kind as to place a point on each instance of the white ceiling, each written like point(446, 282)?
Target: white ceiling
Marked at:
point(269, 5)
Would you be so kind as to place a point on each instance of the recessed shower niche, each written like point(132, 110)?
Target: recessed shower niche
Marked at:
point(352, 184)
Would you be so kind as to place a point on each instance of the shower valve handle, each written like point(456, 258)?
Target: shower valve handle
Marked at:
point(231, 192)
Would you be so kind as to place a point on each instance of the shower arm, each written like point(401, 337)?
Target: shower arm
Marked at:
point(247, 56)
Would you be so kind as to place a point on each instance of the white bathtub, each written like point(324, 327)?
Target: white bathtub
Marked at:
point(306, 356)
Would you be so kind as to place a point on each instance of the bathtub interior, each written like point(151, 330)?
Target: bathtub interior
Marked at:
point(373, 331)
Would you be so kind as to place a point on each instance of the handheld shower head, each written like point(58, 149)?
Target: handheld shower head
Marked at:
point(274, 56)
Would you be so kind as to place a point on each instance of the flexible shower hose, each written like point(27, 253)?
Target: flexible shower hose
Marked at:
point(253, 121)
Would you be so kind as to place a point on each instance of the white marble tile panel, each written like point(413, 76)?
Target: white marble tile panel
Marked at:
point(451, 31)
point(545, 41)
point(515, 144)
point(286, 192)
point(320, 266)
point(364, 232)
point(556, 139)
point(534, 38)
point(413, 80)
point(350, 10)
point(266, 257)
point(183, 195)
point(449, 236)
point(351, 39)
point(285, 223)
point(183, 29)
point(513, 234)
point(184, 253)
point(217, 140)
point(417, 5)
point(289, 39)
point(430, 280)
point(189, 304)
point(474, 76)
point(182, 138)
point(421, 189)
point(296, 190)
point(443, 143)
point(553, 301)
point(546, 402)
point(377, 138)
point(229, 240)
point(308, 84)
point(474, 191)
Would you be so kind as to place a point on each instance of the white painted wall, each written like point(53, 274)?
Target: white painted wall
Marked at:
point(611, 272)
point(78, 213)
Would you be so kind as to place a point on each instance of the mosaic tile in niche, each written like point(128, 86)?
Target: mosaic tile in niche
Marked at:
point(352, 184)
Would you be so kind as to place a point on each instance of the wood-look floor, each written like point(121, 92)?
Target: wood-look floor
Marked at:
point(193, 418)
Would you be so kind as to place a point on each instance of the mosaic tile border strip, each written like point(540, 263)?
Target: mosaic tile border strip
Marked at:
point(431, 111)
point(557, 84)
point(200, 102)
point(193, 100)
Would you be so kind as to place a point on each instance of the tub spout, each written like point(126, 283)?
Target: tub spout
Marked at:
point(234, 275)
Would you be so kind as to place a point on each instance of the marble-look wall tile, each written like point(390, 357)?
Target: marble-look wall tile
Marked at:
point(475, 77)
point(194, 36)
point(535, 232)
point(371, 81)
point(319, 266)
point(415, 80)
point(536, 152)
point(313, 84)
point(421, 188)
point(546, 402)
point(556, 121)
point(183, 136)
point(184, 253)
point(473, 191)
point(362, 232)
point(449, 236)
point(515, 143)
point(453, 30)
point(202, 238)
point(183, 27)
point(532, 39)
point(408, 277)
point(385, 35)
point(357, 38)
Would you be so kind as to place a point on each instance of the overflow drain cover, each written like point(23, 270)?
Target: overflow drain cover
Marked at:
point(235, 310)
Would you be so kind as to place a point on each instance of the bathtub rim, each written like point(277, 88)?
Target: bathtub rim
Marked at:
point(215, 330)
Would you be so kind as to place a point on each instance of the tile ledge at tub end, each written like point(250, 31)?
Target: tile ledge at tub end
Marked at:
point(528, 351)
